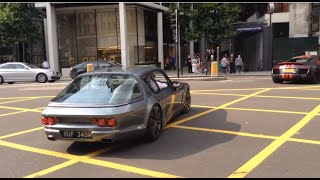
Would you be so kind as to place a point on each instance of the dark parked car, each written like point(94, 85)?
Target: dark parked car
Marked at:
point(300, 68)
point(107, 105)
point(82, 67)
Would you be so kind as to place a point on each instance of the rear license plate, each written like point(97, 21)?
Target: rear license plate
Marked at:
point(77, 134)
point(288, 70)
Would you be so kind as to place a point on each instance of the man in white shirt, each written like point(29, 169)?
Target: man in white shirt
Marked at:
point(45, 64)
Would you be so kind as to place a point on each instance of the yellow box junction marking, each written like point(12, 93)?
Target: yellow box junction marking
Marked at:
point(266, 152)
point(219, 107)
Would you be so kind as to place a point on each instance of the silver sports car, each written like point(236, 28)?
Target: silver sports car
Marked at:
point(114, 104)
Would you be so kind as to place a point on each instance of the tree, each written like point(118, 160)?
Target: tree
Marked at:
point(18, 24)
point(213, 21)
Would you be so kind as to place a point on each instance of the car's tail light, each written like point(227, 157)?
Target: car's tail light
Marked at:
point(44, 120)
point(49, 121)
point(102, 122)
point(111, 122)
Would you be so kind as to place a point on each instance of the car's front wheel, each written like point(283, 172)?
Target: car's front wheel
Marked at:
point(187, 102)
point(42, 78)
point(154, 124)
point(1, 79)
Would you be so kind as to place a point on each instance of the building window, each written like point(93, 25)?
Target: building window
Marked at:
point(151, 34)
point(67, 39)
point(281, 7)
point(86, 35)
point(315, 17)
point(108, 46)
point(280, 30)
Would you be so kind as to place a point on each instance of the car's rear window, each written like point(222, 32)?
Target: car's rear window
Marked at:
point(300, 60)
point(104, 89)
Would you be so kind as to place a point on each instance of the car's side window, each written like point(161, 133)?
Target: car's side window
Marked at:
point(160, 79)
point(19, 66)
point(150, 82)
point(6, 66)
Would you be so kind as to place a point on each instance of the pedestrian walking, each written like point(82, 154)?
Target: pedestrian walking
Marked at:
point(232, 64)
point(167, 63)
point(189, 64)
point(194, 65)
point(172, 63)
point(224, 64)
point(45, 64)
point(239, 64)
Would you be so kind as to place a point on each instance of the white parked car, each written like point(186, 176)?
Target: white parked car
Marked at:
point(12, 72)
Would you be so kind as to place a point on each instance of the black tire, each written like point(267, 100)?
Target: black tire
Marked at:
point(51, 81)
point(154, 124)
point(187, 102)
point(42, 78)
point(316, 77)
point(10, 82)
point(277, 80)
point(1, 80)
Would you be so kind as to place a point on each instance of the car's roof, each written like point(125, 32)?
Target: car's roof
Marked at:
point(122, 70)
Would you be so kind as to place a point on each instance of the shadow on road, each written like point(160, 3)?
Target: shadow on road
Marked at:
point(174, 143)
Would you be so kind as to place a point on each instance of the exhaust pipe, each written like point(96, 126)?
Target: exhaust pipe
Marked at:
point(51, 138)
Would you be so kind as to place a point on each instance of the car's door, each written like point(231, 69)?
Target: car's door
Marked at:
point(7, 71)
point(23, 73)
point(171, 95)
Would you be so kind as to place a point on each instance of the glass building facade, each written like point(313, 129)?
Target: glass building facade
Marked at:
point(94, 33)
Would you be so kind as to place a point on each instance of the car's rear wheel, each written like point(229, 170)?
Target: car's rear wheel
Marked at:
point(316, 77)
point(42, 78)
point(1, 79)
point(154, 124)
point(277, 80)
point(187, 102)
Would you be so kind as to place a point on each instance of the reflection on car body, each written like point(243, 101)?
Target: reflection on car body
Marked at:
point(116, 104)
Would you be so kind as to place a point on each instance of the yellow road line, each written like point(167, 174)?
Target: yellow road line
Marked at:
point(26, 97)
point(262, 155)
point(306, 141)
point(219, 94)
point(212, 110)
point(52, 169)
point(84, 159)
point(7, 114)
point(68, 163)
point(130, 169)
point(255, 110)
point(21, 132)
point(20, 109)
point(246, 89)
point(261, 96)
point(226, 132)
point(37, 150)
point(17, 100)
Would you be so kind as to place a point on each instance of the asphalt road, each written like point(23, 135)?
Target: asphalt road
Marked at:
point(240, 127)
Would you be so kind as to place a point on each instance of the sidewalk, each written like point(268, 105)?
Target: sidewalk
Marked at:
point(201, 77)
